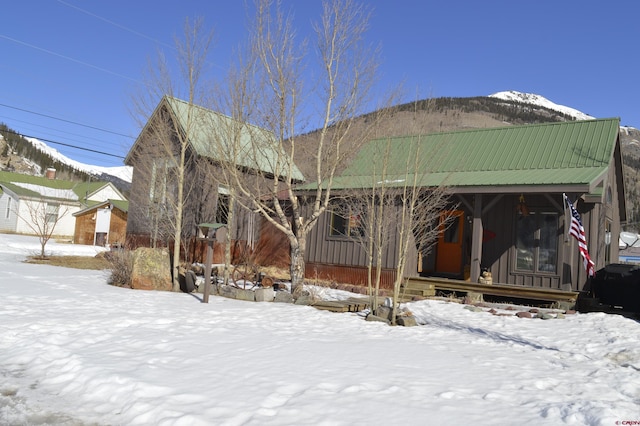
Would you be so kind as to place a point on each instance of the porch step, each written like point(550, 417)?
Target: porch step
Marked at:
point(349, 305)
point(415, 289)
point(418, 285)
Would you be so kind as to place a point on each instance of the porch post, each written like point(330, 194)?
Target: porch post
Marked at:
point(476, 239)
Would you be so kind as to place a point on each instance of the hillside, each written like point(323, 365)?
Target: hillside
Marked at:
point(31, 156)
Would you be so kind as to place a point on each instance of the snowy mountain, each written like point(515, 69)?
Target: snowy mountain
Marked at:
point(122, 172)
point(530, 98)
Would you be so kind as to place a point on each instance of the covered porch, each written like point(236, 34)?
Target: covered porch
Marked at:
point(520, 238)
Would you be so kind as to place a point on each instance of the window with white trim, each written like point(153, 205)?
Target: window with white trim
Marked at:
point(51, 213)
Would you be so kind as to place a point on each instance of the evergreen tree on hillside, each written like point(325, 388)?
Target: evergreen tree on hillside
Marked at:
point(22, 147)
point(504, 110)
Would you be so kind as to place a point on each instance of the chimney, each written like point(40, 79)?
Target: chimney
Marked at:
point(50, 173)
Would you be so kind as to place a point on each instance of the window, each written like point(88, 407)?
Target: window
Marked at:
point(8, 212)
point(163, 182)
point(51, 213)
point(222, 209)
point(537, 242)
point(350, 226)
point(452, 232)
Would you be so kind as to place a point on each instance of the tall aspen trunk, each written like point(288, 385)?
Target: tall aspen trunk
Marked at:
point(297, 268)
point(230, 236)
point(177, 236)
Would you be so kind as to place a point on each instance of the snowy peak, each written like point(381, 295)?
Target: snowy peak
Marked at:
point(530, 98)
point(123, 172)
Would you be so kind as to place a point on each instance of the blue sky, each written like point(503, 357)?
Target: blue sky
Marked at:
point(69, 68)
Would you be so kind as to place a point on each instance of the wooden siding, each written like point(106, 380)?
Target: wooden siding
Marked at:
point(85, 228)
point(86, 225)
point(201, 199)
point(499, 253)
point(118, 227)
point(200, 203)
point(272, 248)
point(325, 249)
point(355, 275)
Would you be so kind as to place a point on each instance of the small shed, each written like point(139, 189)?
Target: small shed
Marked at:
point(101, 224)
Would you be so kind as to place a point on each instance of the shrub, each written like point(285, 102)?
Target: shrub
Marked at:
point(121, 262)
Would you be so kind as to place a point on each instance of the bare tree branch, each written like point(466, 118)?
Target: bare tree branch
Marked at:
point(269, 92)
point(42, 217)
point(164, 151)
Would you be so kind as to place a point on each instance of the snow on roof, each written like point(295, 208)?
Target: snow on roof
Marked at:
point(49, 192)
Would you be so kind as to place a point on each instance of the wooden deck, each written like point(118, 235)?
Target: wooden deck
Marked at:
point(349, 305)
point(424, 287)
point(433, 284)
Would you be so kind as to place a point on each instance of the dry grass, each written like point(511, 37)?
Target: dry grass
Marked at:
point(77, 262)
point(276, 273)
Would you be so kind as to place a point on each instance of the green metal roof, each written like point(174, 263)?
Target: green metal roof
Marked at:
point(258, 147)
point(567, 153)
point(36, 180)
point(36, 186)
point(18, 190)
point(122, 205)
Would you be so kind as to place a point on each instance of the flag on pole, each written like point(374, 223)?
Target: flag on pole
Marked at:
point(577, 231)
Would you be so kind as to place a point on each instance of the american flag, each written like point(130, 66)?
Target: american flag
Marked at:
point(577, 231)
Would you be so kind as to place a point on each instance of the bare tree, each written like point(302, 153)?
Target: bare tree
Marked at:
point(166, 147)
point(370, 207)
point(400, 211)
point(422, 214)
point(272, 82)
point(42, 217)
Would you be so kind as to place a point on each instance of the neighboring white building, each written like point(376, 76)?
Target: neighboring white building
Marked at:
point(56, 200)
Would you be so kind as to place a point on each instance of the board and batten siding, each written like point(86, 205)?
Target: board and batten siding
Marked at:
point(326, 249)
point(499, 253)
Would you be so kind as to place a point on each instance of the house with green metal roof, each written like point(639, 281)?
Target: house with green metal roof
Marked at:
point(212, 138)
point(507, 189)
point(25, 199)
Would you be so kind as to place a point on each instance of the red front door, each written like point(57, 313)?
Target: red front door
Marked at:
point(449, 249)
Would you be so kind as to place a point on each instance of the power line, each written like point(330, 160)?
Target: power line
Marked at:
point(66, 121)
point(132, 31)
point(115, 24)
point(29, 123)
point(66, 144)
point(68, 58)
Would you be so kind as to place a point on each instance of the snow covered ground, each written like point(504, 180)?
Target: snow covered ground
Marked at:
point(76, 351)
